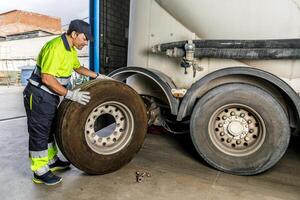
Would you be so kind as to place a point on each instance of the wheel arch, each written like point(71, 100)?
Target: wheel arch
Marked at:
point(258, 77)
point(158, 78)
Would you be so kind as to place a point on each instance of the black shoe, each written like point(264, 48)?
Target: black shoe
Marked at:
point(59, 165)
point(48, 179)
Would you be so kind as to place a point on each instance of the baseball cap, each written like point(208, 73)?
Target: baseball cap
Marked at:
point(81, 26)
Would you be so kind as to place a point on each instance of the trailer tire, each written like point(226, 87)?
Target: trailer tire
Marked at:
point(112, 104)
point(240, 129)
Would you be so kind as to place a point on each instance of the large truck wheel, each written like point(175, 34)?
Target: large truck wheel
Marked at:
point(240, 129)
point(105, 134)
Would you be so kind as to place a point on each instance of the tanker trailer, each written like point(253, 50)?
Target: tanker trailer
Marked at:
point(225, 72)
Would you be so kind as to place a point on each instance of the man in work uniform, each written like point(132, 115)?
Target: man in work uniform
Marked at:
point(55, 63)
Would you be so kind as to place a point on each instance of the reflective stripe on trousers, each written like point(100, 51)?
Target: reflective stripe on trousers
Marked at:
point(40, 109)
point(41, 159)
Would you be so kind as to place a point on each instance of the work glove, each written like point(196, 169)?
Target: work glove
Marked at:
point(103, 77)
point(81, 97)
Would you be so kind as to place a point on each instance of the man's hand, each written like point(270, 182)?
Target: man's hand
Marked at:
point(81, 97)
point(103, 77)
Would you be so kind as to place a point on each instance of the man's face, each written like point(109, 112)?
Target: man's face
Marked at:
point(79, 40)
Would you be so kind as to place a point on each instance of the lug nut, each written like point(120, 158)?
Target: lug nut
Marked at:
point(222, 133)
point(228, 140)
point(247, 138)
point(249, 121)
point(251, 130)
point(232, 113)
point(220, 125)
point(224, 117)
point(238, 142)
point(242, 115)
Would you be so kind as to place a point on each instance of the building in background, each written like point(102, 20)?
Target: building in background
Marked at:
point(22, 35)
point(18, 21)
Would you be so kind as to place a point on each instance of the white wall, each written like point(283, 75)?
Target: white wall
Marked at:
point(16, 53)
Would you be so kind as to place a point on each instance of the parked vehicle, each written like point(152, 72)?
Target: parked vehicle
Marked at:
point(226, 72)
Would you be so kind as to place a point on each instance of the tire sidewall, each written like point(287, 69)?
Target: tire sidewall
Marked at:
point(276, 123)
point(79, 153)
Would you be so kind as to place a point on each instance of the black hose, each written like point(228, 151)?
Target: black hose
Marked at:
point(239, 49)
point(236, 44)
point(252, 54)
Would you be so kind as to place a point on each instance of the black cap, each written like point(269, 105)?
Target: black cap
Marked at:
point(81, 26)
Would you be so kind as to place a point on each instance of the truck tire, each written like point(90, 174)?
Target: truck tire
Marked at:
point(240, 129)
point(105, 134)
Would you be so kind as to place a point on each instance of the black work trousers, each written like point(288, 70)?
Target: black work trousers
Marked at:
point(40, 109)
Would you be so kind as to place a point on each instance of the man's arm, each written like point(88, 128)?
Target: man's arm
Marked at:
point(51, 82)
point(86, 72)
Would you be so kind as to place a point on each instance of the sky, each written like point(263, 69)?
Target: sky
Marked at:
point(67, 10)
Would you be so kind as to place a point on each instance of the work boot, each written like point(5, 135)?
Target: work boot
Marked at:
point(59, 165)
point(48, 178)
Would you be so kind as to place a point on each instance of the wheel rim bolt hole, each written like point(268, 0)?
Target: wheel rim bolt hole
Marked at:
point(233, 145)
point(222, 139)
point(226, 110)
point(218, 119)
point(254, 136)
point(216, 129)
point(245, 144)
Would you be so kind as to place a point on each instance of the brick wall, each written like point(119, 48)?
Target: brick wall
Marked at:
point(114, 31)
point(18, 21)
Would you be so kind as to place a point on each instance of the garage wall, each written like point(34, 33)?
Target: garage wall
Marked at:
point(114, 34)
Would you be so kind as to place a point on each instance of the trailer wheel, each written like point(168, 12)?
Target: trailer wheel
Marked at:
point(240, 129)
point(104, 135)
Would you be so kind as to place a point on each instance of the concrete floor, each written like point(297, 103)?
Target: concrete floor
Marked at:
point(176, 171)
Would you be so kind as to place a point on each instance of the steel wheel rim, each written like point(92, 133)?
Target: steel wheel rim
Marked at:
point(119, 137)
point(237, 130)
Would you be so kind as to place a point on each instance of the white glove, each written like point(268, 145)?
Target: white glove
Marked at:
point(81, 97)
point(103, 77)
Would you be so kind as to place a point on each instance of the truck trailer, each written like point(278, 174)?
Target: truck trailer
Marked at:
point(225, 72)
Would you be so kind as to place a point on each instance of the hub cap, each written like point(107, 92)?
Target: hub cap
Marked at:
point(237, 130)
